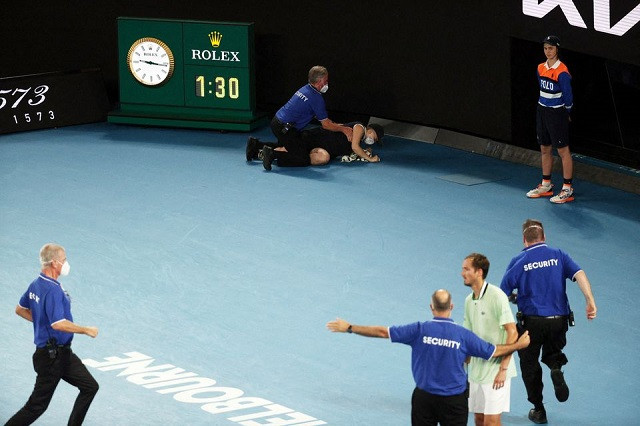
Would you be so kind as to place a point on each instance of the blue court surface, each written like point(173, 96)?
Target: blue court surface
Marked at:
point(211, 280)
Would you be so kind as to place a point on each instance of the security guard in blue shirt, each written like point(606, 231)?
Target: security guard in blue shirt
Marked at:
point(536, 280)
point(48, 306)
point(439, 349)
point(306, 104)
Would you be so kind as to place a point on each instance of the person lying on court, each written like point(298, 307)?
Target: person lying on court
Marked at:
point(319, 147)
point(327, 145)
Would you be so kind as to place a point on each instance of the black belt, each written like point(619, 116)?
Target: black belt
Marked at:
point(549, 317)
point(59, 346)
point(282, 123)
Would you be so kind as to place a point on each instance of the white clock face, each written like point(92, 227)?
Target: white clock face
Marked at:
point(150, 61)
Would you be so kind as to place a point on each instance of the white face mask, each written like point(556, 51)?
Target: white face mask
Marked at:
point(64, 271)
point(324, 88)
point(369, 140)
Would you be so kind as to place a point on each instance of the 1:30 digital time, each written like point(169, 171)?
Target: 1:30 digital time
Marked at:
point(219, 86)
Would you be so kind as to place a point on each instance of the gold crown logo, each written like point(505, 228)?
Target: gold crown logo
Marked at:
point(215, 38)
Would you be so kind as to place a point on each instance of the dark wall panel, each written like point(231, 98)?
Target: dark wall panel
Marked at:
point(433, 63)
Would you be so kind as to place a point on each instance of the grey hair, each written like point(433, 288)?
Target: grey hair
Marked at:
point(317, 73)
point(49, 252)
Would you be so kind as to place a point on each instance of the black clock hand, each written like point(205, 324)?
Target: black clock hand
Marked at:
point(150, 62)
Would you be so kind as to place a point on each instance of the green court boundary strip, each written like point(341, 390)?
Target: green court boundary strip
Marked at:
point(188, 123)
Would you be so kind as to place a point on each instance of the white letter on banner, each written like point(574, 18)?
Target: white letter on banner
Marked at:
point(532, 8)
point(602, 18)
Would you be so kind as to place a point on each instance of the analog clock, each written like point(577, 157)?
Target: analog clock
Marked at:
point(150, 61)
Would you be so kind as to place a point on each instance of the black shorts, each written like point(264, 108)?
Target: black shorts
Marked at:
point(552, 126)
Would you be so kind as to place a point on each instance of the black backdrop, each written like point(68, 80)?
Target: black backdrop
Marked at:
point(456, 65)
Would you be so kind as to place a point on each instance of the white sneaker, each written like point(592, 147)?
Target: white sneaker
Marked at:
point(541, 191)
point(563, 196)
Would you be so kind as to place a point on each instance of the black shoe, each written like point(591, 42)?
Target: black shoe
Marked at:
point(559, 385)
point(267, 157)
point(539, 417)
point(252, 148)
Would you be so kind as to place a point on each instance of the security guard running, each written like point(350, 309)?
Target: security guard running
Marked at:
point(48, 306)
point(536, 280)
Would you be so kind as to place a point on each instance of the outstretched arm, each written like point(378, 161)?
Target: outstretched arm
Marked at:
point(69, 327)
point(585, 287)
point(342, 326)
point(328, 124)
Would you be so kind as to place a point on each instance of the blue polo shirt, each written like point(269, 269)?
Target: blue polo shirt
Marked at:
point(539, 273)
point(439, 349)
point(303, 106)
point(555, 86)
point(48, 303)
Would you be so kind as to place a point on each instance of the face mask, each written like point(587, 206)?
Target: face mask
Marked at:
point(324, 88)
point(369, 140)
point(64, 271)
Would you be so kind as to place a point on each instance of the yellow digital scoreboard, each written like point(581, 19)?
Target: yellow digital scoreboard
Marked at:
point(186, 74)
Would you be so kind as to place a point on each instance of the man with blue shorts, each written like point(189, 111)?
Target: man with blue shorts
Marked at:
point(439, 349)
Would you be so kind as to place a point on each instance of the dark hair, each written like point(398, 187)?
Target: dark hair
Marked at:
point(533, 231)
point(480, 261)
point(379, 131)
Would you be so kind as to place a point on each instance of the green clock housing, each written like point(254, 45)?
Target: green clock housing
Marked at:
point(193, 74)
